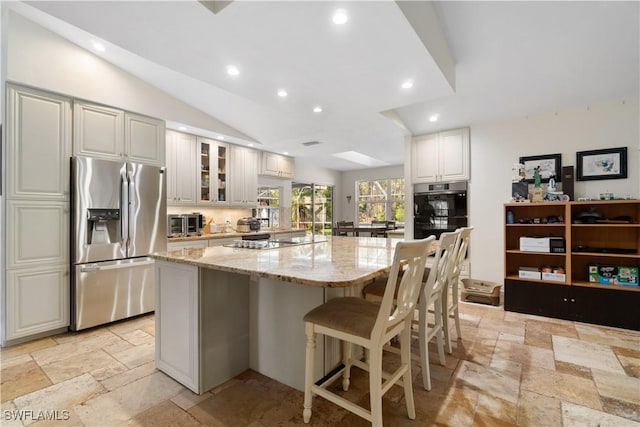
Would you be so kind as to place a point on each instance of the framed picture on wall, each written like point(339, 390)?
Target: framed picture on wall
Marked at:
point(549, 164)
point(610, 163)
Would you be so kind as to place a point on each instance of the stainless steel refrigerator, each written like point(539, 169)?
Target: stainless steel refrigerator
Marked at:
point(118, 219)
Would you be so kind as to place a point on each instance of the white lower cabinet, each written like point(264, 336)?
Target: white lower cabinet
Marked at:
point(39, 301)
point(177, 349)
point(202, 324)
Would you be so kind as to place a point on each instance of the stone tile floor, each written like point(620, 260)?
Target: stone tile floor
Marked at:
point(508, 369)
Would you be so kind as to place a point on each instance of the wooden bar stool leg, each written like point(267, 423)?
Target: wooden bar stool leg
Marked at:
point(375, 386)
point(424, 345)
point(346, 361)
point(310, 352)
point(405, 358)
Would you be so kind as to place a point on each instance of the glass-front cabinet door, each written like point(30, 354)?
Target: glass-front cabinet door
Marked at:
point(213, 171)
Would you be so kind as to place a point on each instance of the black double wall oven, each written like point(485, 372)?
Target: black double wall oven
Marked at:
point(439, 208)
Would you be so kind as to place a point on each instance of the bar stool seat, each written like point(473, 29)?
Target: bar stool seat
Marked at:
point(350, 315)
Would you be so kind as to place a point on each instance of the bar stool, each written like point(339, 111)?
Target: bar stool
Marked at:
point(451, 304)
point(370, 325)
point(434, 281)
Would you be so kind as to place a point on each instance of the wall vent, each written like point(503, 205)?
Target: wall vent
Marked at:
point(310, 143)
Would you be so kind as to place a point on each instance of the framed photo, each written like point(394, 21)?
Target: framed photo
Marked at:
point(549, 164)
point(610, 163)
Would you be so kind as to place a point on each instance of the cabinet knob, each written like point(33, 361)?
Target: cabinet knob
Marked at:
point(564, 299)
point(573, 300)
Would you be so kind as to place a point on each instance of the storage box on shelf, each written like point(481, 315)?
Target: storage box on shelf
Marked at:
point(609, 235)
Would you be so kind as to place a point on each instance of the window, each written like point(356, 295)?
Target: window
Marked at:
point(268, 211)
point(381, 200)
point(312, 207)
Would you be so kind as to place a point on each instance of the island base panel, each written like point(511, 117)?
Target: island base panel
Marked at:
point(224, 326)
point(278, 341)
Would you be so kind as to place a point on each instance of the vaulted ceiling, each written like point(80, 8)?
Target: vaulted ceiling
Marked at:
point(469, 62)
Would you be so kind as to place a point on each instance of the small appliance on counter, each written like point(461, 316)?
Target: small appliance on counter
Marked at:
point(185, 225)
point(247, 225)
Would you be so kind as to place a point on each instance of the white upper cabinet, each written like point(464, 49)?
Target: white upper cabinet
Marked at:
point(243, 182)
point(181, 168)
point(113, 134)
point(98, 131)
point(212, 171)
point(38, 144)
point(276, 165)
point(440, 156)
point(144, 139)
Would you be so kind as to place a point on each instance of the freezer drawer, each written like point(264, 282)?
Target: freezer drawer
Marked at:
point(107, 291)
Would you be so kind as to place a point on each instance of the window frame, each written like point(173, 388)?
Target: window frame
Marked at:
point(388, 200)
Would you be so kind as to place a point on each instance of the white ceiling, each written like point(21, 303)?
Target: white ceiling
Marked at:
point(512, 59)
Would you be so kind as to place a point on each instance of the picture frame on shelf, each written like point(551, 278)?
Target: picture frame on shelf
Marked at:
point(549, 164)
point(608, 163)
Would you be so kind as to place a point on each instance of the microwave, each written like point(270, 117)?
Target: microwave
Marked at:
point(176, 225)
point(194, 224)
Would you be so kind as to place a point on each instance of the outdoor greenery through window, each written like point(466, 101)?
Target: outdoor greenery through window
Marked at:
point(380, 200)
point(312, 208)
point(268, 211)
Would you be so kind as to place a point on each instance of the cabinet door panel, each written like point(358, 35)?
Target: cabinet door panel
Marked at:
point(38, 233)
point(185, 173)
point(39, 301)
point(39, 144)
point(270, 164)
point(251, 176)
point(98, 131)
point(181, 168)
point(454, 155)
point(145, 139)
point(425, 167)
point(177, 324)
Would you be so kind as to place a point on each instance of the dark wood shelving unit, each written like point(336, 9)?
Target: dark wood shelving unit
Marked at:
point(576, 298)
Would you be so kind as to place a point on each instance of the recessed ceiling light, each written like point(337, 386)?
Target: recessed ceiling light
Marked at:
point(99, 46)
point(285, 152)
point(340, 17)
point(282, 93)
point(407, 84)
point(232, 70)
point(182, 128)
point(250, 144)
point(221, 137)
point(434, 118)
point(317, 109)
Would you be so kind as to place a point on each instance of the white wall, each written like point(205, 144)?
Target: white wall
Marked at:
point(307, 172)
point(39, 58)
point(495, 146)
point(348, 210)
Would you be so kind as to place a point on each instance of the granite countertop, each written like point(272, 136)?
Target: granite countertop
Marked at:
point(332, 262)
point(232, 234)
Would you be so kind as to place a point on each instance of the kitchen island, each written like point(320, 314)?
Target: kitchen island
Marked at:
point(222, 310)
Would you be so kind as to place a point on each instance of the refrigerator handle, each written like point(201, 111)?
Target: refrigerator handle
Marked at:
point(124, 209)
point(132, 206)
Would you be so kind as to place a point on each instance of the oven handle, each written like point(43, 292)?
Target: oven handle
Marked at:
point(438, 193)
